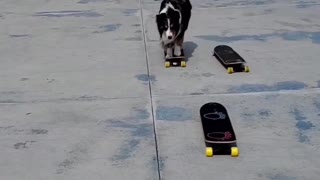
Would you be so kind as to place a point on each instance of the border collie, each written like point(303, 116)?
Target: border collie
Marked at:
point(172, 22)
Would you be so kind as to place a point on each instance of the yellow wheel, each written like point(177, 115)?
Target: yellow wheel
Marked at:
point(230, 70)
point(246, 69)
point(234, 152)
point(209, 151)
point(183, 64)
point(167, 64)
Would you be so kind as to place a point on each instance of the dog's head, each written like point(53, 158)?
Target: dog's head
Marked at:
point(168, 25)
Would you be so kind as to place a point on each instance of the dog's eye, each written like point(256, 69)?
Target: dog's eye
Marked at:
point(166, 27)
point(171, 25)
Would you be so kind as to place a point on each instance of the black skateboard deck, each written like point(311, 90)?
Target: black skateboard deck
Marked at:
point(175, 60)
point(219, 135)
point(230, 59)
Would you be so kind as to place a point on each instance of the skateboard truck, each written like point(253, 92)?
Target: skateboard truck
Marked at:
point(230, 59)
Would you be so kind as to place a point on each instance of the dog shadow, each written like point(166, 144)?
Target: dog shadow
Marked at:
point(189, 48)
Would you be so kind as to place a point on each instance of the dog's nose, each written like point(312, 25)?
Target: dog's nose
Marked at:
point(169, 37)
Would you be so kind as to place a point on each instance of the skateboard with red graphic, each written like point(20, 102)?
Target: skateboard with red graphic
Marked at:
point(219, 135)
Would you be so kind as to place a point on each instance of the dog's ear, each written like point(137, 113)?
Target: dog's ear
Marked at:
point(173, 15)
point(160, 17)
point(157, 17)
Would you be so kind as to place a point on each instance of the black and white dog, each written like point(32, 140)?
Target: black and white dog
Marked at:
point(172, 21)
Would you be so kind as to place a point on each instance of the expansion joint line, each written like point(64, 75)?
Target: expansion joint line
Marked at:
point(150, 89)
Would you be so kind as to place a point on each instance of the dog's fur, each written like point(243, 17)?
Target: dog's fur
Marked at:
point(172, 22)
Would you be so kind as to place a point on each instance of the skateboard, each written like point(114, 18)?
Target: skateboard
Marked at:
point(219, 135)
point(175, 60)
point(230, 59)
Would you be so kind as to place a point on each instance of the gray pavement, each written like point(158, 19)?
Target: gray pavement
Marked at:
point(84, 93)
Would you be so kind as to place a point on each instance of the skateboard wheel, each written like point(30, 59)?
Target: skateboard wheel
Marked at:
point(246, 69)
point(230, 70)
point(183, 64)
point(234, 152)
point(167, 64)
point(209, 151)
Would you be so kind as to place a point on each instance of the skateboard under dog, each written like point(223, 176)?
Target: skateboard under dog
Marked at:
point(175, 60)
point(219, 135)
point(230, 59)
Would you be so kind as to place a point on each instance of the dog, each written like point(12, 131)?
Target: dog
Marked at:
point(172, 21)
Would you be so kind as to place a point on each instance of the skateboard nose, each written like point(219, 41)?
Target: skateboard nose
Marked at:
point(169, 37)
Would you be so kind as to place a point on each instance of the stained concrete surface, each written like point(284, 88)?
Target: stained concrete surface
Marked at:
point(85, 95)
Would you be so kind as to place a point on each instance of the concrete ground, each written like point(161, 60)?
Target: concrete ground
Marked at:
point(83, 85)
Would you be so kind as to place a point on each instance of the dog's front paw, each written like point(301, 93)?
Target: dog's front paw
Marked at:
point(169, 53)
point(177, 51)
